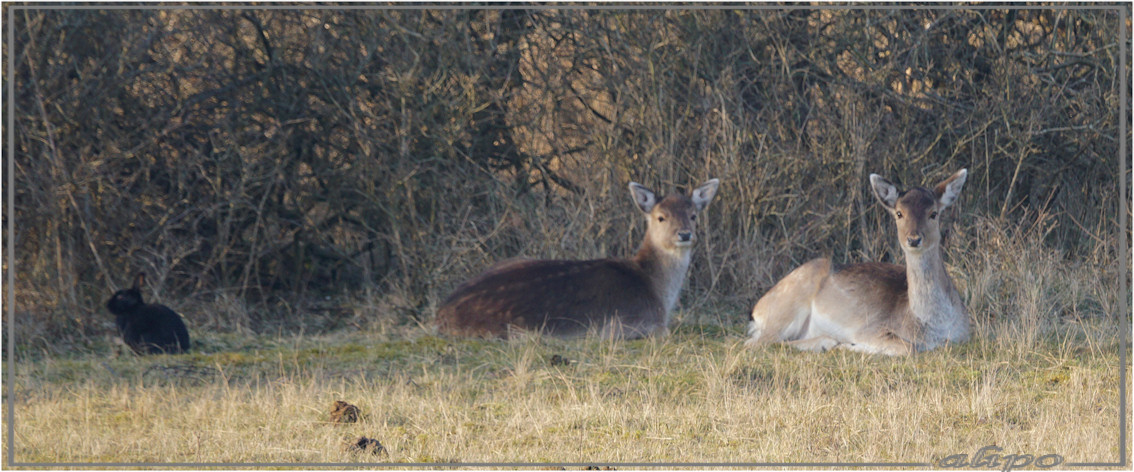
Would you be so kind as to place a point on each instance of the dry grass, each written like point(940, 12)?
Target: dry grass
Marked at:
point(348, 245)
point(1039, 377)
point(695, 396)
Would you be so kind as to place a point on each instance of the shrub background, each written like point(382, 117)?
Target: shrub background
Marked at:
point(327, 169)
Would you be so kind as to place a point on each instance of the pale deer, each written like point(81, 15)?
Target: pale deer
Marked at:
point(615, 298)
point(873, 307)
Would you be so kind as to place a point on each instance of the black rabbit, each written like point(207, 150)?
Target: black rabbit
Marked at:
point(147, 329)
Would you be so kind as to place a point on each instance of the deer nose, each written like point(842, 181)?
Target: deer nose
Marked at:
point(914, 241)
point(684, 236)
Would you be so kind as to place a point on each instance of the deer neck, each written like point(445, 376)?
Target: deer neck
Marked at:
point(933, 299)
point(666, 271)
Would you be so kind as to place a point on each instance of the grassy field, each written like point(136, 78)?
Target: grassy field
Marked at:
point(697, 395)
point(305, 186)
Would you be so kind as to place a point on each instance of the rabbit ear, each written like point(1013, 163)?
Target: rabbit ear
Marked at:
point(140, 280)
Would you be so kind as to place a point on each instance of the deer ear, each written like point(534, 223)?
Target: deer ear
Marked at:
point(643, 197)
point(886, 192)
point(140, 280)
point(705, 193)
point(948, 190)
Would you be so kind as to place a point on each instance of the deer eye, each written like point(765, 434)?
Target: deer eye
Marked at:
point(898, 213)
point(661, 219)
point(693, 217)
point(933, 216)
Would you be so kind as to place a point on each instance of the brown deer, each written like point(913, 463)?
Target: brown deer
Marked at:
point(873, 307)
point(617, 298)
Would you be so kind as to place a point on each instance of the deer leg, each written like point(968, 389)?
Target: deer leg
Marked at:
point(818, 344)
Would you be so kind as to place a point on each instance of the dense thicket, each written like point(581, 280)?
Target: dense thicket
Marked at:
point(268, 160)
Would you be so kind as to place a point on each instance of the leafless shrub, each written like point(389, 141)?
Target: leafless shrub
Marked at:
point(262, 164)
